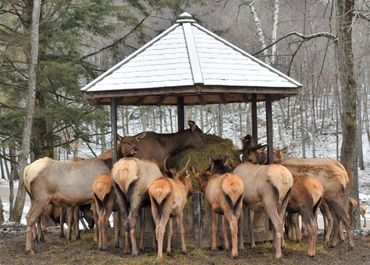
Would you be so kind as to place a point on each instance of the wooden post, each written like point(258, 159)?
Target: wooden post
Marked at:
point(113, 121)
point(180, 114)
point(254, 120)
point(197, 218)
point(269, 128)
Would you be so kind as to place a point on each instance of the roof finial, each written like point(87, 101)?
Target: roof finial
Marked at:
point(185, 18)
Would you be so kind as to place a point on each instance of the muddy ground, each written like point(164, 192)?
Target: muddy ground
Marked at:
point(59, 251)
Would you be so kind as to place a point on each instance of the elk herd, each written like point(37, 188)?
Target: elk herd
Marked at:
point(140, 178)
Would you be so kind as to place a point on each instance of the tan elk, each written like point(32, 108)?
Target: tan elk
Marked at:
point(104, 203)
point(131, 179)
point(334, 179)
point(168, 200)
point(305, 199)
point(266, 187)
point(61, 183)
point(353, 205)
point(224, 193)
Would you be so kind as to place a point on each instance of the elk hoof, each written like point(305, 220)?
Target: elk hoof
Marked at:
point(30, 252)
point(278, 255)
point(235, 256)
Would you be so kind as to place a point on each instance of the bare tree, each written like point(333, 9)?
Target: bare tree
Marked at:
point(17, 210)
point(347, 79)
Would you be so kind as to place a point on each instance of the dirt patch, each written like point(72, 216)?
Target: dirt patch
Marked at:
point(60, 251)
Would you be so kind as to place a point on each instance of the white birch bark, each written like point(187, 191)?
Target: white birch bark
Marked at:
point(274, 31)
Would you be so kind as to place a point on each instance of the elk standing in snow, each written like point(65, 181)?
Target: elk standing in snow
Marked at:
point(266, 187)
point(306, 196)
point(168, 199)
point(224, 194)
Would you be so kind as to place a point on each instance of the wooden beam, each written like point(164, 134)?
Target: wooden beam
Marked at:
point(269, 128)
point(140, 100)
point(254, 120)
point(180, 114)
point(161, 99)
point(113, 120)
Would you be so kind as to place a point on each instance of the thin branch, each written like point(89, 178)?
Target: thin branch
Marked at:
point(300, 35)
point(361, 16)
point(119, 40)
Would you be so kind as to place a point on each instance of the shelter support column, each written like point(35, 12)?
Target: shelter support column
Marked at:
point(180, 114)
point(113, 120)
point(254, 120)
point(269, 128)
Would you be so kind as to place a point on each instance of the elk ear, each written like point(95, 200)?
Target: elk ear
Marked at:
point(193, 126)
point(140, 136)
point(119, 137)
point(210, 160)
point(284, 150)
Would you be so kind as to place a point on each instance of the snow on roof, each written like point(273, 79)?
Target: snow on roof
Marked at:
point(187, 54)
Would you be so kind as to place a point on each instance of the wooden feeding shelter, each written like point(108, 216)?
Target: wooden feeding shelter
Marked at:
point(189, 65)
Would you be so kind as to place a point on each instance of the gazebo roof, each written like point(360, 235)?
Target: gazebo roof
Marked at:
point(189, 61)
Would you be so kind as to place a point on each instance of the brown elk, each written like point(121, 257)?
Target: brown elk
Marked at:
point(131, 179)
point(157, 147)
point(224, 193)
point(253, 152)
point(168, 200)
point(127, 147)
point(105, 200)
point(266, 187)
point(61, 183)
point(334, 179)
point(306, 196)
point(353, 205)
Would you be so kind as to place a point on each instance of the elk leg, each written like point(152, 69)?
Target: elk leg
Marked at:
point(142, 228)
point(117, 229)
point(278, 227)
point(213, 230)
point(159, 231)
point(233, 222)
point(69, 222)
point(241, 229)
point(250, 227)
point(40, 233)
point(76, 213)
point(180, 223)
point(169, 236)
point(325, 210)
point(364, 220)
point(33, 214)
point(309, 219)
point(224, 233)
point(61, 223)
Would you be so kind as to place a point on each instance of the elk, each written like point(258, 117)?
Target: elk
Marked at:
point(334, 179)
point(224, 193)
point(127, 147)
point(168, 199)
point(253, 152)
point(305, 198)
point(352, 205)
point(266, 187)
point(105, 200)
point(157, 147)
point(61, 183)
point(131, 179)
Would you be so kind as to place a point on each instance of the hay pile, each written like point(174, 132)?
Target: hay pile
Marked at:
point(215, 146)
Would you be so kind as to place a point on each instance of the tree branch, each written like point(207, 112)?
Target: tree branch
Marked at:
point(300, 35)
point(119, 40)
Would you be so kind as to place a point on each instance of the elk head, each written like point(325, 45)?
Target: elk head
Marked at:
point(127, 144)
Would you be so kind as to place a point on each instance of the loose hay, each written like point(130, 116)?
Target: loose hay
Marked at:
point(217, 147)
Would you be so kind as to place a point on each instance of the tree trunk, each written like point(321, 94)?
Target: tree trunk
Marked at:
point(360, 152)
point(1, 212)
point(17, 210)
point(274, 31)
point(345, 11)
point(260, 35)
